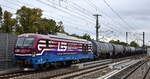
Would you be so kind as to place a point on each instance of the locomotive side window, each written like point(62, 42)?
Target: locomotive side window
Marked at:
point(20, 42)
point(85, 48)
point(28, 41)
point(47, 44)
point(25, 41)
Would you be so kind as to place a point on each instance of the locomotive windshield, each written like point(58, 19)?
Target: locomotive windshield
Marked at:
point(23, 41)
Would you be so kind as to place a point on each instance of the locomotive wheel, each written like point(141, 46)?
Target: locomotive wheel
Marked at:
point(64, 64)
point(68, 63)
point(44, 66)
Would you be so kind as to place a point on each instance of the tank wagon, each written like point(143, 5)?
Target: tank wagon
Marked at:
point(40, 51)
point(102, 49)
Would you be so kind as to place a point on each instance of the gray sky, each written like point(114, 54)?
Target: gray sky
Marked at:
point(77, 16)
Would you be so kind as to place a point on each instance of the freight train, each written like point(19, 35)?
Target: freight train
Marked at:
point(41, 51)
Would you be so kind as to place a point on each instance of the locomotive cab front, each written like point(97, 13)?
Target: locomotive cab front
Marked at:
point(24, 46)
point(25, 50)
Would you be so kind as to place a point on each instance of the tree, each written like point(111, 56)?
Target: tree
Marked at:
point(8, 22)
point(75, 35)
point(86, 36)
point(46, 26)
point(118, 42)
point(30, 21)
point(27, 18)
point(123, 43)
point(18, 29)
point(1, 15)
point(134, 44)
point(114, 42)
point(60, 27)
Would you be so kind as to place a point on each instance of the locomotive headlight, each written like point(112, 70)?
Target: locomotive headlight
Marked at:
point(17, 50)
point(33, 54)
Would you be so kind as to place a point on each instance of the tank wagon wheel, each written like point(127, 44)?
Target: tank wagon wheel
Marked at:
point(110, 54)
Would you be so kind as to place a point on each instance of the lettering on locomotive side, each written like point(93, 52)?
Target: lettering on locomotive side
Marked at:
point(62, 46)
point(39, 46)
point(68, 53)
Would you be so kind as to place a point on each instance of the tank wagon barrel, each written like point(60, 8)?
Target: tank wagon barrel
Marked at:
point(102, 49)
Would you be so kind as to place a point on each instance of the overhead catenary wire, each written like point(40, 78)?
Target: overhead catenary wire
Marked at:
point(47, 15)
point(69, 22)
point(104, 14)
point(65, 11)
point(129, 27)
point(118, 28)
point(105, 25)
point(9, 8)
point(72, 7)
point(122, 19)
point(79, 12)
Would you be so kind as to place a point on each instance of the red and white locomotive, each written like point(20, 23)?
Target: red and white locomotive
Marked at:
point(38, 50)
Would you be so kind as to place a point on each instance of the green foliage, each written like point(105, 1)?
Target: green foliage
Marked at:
point(1, 15)
point(114, 42)
point(27, 18)
point(18, 30)
point(30, 21)
point(117, 42)
point(60, 27)
point(75, 35)
point(85, 36)
point(134, 44)
point(46, 25)
point(8, 22)
point(123, 43)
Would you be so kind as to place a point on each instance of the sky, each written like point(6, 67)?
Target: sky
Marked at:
point(118, 16)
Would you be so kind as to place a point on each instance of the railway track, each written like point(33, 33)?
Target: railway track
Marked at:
point(68, 72)
point(36, 74)
point(147, 76)
point(79, 74)
point(15, 74)
point(141, 71)
point(137, 69)
point(76, 74)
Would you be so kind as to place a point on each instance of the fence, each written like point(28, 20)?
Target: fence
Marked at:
point(7, 43)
